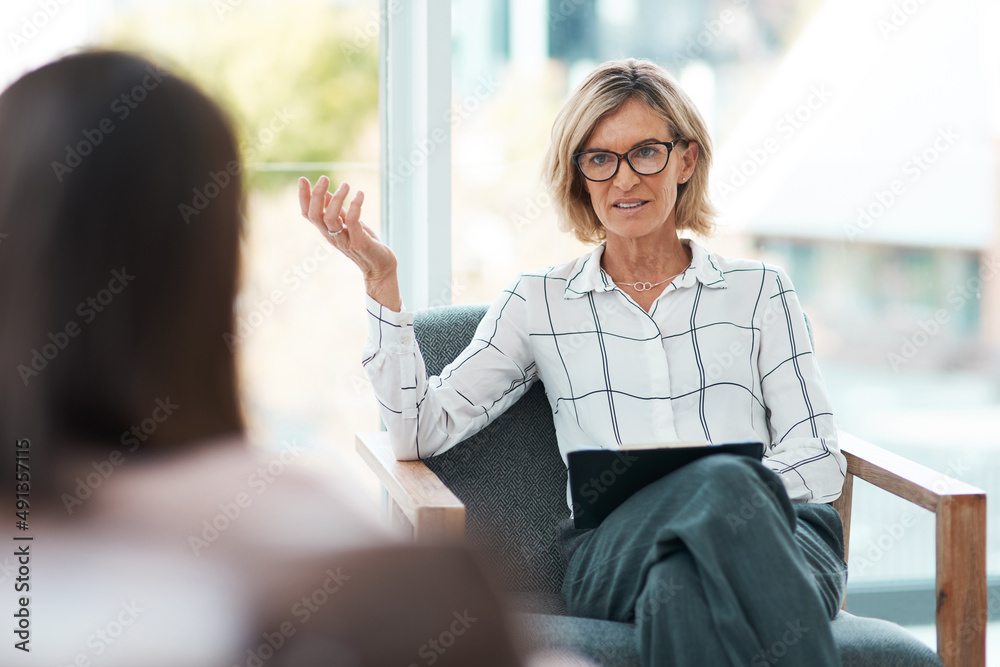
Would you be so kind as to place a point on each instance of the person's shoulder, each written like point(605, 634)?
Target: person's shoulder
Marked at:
point(234, 492)
point(563, 271)
point(739, 270)
point(555, 275)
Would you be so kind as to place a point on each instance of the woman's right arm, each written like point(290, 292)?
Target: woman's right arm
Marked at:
point(424, 416)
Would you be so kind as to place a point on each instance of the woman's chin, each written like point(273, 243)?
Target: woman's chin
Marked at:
point(636, 230)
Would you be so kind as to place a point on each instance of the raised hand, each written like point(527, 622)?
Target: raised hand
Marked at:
point(345, 232)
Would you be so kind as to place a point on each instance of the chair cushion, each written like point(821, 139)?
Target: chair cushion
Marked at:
point(609, 643)
point(509, 475)
point(872, 642)
point(863, 642)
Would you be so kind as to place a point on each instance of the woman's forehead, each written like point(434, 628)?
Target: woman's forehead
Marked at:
point(631, 124)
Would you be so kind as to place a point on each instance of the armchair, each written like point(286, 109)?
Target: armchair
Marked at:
point(503, 492)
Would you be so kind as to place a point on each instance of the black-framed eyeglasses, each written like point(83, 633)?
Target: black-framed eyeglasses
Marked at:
point(646, 160)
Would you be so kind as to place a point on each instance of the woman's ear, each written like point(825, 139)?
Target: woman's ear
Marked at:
point(688, 160)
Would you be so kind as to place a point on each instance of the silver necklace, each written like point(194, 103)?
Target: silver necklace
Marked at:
point(645, 287)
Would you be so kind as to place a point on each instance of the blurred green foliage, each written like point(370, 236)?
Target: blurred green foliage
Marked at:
point(299, 78)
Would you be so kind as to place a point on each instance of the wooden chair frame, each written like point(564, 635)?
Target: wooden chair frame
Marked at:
point(418, 500)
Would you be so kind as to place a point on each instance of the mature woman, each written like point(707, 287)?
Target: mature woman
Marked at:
point(153, 533)
point(650, 338)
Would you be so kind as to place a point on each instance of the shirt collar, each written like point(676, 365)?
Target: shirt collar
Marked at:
point(587, 275)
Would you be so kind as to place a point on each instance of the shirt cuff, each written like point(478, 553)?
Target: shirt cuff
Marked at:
point(387, 328)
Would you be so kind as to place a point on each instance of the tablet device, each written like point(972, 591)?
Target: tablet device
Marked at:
point(602, 479)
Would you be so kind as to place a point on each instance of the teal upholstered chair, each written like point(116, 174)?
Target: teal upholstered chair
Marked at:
point(503, 492)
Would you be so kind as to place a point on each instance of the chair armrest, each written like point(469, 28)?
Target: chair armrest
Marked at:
point(417, 497)
point(960, 510)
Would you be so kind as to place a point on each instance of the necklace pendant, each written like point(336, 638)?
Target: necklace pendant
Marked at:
point(642, 287)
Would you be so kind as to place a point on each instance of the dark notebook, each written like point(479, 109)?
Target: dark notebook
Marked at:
point(602, 479)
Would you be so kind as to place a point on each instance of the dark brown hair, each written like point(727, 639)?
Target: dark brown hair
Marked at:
point(120, 217)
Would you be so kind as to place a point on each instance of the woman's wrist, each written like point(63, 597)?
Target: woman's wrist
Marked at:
point(385, 290)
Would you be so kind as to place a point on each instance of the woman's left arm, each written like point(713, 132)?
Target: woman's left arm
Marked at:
point(803, 447)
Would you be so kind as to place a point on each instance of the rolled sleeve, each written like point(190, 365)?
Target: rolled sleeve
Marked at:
point(803, 447)
point(427, 416)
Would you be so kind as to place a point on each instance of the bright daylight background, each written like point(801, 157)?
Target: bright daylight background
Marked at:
point(856, 141)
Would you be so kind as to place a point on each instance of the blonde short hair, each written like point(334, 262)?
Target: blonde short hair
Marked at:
point(606, 90)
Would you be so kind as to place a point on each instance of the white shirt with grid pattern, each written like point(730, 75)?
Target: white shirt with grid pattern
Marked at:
point(723, 355)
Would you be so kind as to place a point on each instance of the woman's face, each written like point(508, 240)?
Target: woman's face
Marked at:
point(631, 205)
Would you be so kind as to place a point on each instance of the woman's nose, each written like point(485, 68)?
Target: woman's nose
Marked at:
point(626, 176)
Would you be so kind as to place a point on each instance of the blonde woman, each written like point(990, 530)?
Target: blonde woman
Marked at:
point(650, 338)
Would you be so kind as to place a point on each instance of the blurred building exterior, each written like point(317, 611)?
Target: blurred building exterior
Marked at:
point(856, 143)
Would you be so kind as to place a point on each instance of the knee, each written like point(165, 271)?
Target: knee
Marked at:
point(735, 473)
point(745, 489)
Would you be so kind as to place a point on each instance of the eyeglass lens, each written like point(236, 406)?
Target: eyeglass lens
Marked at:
point(646, 160)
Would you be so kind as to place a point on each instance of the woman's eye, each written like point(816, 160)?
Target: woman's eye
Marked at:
point(646, 151)
point(598, 159)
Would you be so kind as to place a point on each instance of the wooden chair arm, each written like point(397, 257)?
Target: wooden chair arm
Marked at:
point(960, 510)
point(417, 498)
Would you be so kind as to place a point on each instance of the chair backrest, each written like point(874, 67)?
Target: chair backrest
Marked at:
point(509, 475)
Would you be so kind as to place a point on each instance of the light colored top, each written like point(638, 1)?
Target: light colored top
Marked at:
point(182, 560)
point(723, 355)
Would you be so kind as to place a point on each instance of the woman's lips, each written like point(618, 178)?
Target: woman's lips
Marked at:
point(629, 206)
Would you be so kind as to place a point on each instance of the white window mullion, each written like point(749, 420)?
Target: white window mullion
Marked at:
point(415, 101)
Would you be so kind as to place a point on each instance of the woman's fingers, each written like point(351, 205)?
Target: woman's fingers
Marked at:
point(304, 195)
point(318, 199)
point(335, 207)
point(326, 210)
point(353, 218)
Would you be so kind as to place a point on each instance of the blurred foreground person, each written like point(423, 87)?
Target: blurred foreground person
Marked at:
point(140, 528)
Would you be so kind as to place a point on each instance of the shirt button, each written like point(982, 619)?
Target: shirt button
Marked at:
point(406, 339)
